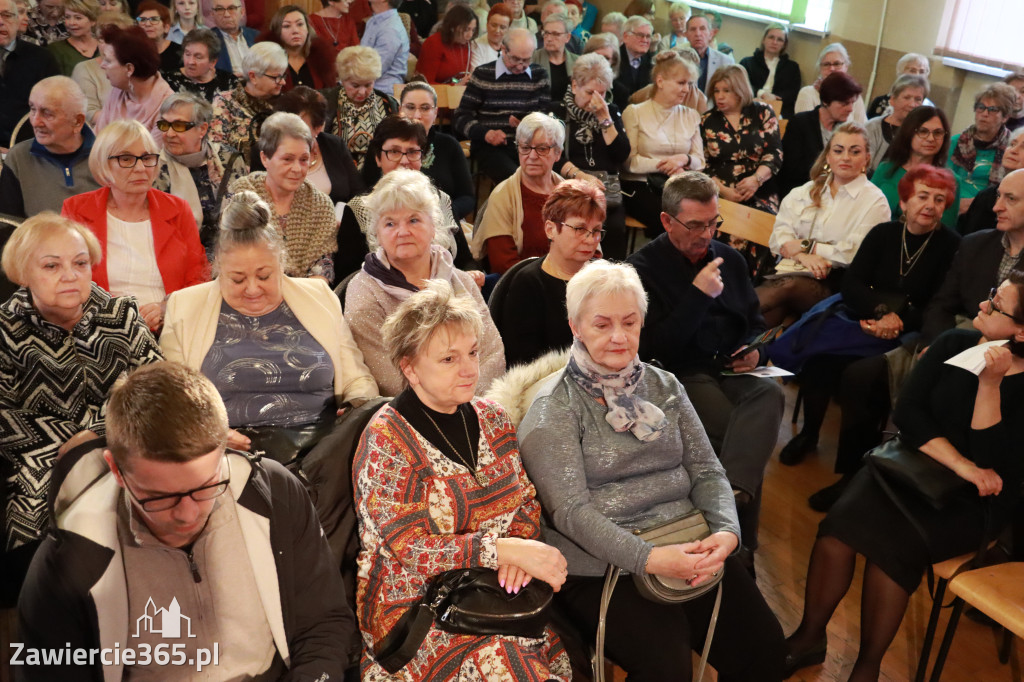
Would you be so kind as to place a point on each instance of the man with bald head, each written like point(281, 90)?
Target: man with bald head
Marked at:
point(497, 96)
point(22, 65)
point(39, 174)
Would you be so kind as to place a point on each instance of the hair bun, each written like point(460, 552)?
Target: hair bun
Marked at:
point(666, 55)
point(246, 211)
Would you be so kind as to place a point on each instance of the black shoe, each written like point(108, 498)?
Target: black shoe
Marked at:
point(795, 450)
point(802, 659)
point(823, 500)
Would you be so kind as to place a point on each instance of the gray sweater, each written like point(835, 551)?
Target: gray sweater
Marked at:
point(596, 485)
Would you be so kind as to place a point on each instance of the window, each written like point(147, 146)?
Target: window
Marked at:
point(983, 31)
point(812, 14)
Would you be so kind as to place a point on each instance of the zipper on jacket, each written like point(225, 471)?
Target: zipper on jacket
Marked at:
point(192, 566)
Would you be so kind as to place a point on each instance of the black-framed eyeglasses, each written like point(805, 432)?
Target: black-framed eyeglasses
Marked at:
point(129, 160)
point(584, 233)
point(714, 225)
point(511, 58)
point(397, 154)
point(177, 126)
point(925, 134)
point(225, 10)
point(979, 107)
point(277, 79)
point(553, 34)
point(542, 150)
point(164, 502)
point(148, 20)
point(996, 309)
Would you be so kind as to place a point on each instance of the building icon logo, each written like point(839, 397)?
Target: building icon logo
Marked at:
point(164, 622)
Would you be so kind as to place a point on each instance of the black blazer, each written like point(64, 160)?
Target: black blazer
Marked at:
point(970, 277)
point(787, 78)
point(630, 80)
point(25, 66)
point(341, 169)
point(980, 216)
point(800, 147)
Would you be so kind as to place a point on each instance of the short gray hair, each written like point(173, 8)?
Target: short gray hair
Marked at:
point(516, 34)
point(408, 330)
point(633, 22)
point(593, 67)
point(202, 112)
point(264, 56)
point(833, 47)
point(909, 58)
point(617, 18)
point(691, 185)
point(559, 18)
point(1005, 97)
point(279, 126)
point(909, 80)
point(603, 278)
point(69, 94)
point(677, 8)
point(536, 122)
point(402, 188)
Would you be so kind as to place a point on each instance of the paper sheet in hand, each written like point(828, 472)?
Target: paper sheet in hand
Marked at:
point(973, 359)
point(763, 371)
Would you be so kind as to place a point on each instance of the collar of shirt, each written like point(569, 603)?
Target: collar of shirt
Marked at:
point(501, 70)
point(10, 48)
point(855, 186)
point(634, 61)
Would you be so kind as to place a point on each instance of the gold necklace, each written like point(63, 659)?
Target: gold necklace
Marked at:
point(471, 463)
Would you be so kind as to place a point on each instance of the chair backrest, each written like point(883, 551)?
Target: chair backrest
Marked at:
point(746, 222)
point(342, 287)
point(496, 303)
point(783, 123)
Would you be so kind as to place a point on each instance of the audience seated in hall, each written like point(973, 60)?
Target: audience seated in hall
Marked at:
point(976, 154)
point(354, 108)
point(910, 64)
point(487, 48)
point(635, 59)
point(774, 75)
point(235, 37)
point(574, 42)
point(678, 13)
point(981, 215)
point(39, 174)
point(703, 310)
point(198, 73)
point(310, 58)
point(155, 19)
point(136, 88)
point(907, 93)
point(554, 55)
point(700, 34)
point(185, 17)
point(511, 227)
point(239, 113)
point(81, 43)
point(833, 58)
point(24, 66)
point(90, 76)
point(445, 55)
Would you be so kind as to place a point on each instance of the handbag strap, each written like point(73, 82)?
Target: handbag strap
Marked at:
point(611, 578)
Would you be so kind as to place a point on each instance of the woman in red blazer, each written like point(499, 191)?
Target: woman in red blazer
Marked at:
point(150, 240)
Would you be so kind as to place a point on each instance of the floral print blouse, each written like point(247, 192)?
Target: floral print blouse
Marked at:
point(234, 112)
point(732, 155)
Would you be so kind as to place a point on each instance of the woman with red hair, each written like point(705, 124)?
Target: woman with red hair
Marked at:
point(132, 65)
point(899, 266)
point(310, 59)
point(487, 48)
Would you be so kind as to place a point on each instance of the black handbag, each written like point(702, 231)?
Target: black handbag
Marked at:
point(466, 601)
point(911, 469)
point(612, 187)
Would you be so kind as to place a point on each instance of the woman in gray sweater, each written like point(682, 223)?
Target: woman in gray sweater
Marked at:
point(614, 445)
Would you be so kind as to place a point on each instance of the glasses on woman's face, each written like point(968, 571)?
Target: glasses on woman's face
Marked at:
point(411, 109)
point(129, 160)
point(926, 134)
point(148, 20)
point(996, 309)
point(276, 78)
point(178, 126)
point(542, 150)
point(395, 155)
point(979, 107)
point(583, 233)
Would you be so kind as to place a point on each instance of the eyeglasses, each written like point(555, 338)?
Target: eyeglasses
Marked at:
point(129, 160)
point(641, 36)
point(584, 233)
point(979, 107)
point(714, 225)
point(517, 60)
point(397, 154)
point(165, 502)
point(277, 79)
point(925, 134)
point(553, 34)
point(225, 10)
point(423, 108)
point(178, 126)
point(8, 16)
point(996, 309)
point(832, 65)
point(542, 150)
point(148, 20)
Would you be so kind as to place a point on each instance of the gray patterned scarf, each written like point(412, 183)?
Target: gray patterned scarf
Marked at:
point(626, 412)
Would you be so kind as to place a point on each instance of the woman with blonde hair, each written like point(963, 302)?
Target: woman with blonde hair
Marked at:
point(664, 138)
point(81, 44)
point(820, 226)
point(741, 141)
point(354, 108)
point(185, 16)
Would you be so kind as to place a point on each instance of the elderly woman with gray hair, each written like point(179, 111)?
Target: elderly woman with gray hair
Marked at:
point(238, 113)
point(439, 486)
point(512, 228)
point(976, 154)
point(614, 446)
point(302, 214)
point(833, 58)
point(907, 93)
point(406, 250)
point(191, 166)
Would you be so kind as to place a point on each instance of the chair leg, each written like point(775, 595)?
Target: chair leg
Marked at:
point(797, 405)
point(947, 639)
point(1005, 645)
point(929, 635)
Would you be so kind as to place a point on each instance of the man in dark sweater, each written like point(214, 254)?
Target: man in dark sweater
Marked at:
point(497, 96)
point(702, 312)
point(635, 60)
point(22, 65)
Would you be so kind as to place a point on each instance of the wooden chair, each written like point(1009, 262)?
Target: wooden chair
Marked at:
point(745, 222)
point(998, 592)
point(635, 227)
point(783, 122)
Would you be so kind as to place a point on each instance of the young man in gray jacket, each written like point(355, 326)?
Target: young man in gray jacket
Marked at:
point(171, 557)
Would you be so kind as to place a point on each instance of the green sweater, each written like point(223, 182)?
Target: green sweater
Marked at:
point(886, 178)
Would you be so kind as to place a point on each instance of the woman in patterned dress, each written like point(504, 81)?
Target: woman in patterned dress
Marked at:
point(354, 108)
point(741, 141)
point(63, 344)
point(238, 114)
point(439, 486)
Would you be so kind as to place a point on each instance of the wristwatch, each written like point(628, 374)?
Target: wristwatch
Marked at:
point(807, 245)
point(605, 124)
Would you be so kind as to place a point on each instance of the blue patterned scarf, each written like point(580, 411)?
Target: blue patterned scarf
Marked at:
point(626, 412)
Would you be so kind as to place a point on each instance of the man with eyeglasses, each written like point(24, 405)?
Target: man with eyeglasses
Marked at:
point(498, 96)
point(573, 42)
point(57, 158)
point(703, 312)
point(635, 59)
point(165, 540)
point(235, 37)
point(22, 65)
point(700, 34)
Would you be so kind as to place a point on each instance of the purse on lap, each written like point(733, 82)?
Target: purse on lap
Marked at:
point(913, 470)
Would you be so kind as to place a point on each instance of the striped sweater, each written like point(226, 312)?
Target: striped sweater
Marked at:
point(488, 102)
